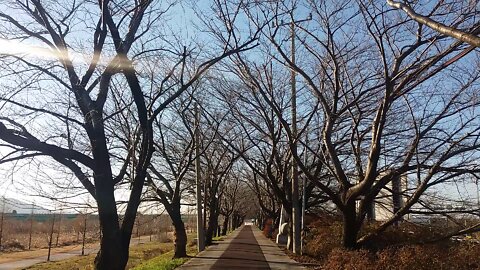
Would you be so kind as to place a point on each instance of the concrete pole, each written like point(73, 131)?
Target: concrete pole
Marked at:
point(304, 196)
point(478, 194)
point(200, 231)
point(1, 221)
point(295, 198)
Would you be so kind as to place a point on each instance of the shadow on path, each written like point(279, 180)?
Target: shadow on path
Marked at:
point(242, 253)
point(246, 248)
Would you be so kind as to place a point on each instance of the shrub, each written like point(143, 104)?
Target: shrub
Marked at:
point(400, 247)
point(323, 237)
point(268, 228)
point(13, 245)
point(345, 259)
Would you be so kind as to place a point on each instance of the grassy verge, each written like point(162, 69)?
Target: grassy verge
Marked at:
point(218, 238)
point(165, 261)
point(222, 237)
point(138, 254)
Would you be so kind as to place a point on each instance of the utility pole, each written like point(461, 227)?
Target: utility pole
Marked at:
point(1, 221)
point(478, 194)
point(200, 232)
point(295, 200)
point(296, 211)
point(304, 195)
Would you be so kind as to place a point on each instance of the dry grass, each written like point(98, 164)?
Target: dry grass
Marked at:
point(16, 233)
point(398, 248)
point(138, 254)
point(22, 255)
point(165, 261)
point(142, 255)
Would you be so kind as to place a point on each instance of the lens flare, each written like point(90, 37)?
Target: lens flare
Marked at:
point(17, 48)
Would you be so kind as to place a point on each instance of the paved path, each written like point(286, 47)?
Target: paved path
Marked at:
point(24, 263)
point(245, 248)
point(63, 255)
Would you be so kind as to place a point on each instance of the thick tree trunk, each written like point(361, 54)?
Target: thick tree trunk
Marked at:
point(180, 249)
point(350, 227)
point(212, 226)
point(112, 255)
point(225, 225)
point(212, 223)
point(236, 221)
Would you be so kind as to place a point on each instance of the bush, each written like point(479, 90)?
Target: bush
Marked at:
point(164, 238)
point(323, 236)
point(13, 245)
point(268, 228)
point(344, 259)
point(397, 248)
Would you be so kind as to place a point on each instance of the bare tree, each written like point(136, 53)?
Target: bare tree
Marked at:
point(261, 140)
point(217, 163)
point(171, 167)
point(379, 116)
point(70, 116)
point(237, 202)
point(229, 201)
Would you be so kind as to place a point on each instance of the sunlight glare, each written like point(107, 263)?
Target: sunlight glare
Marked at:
point(16, 48)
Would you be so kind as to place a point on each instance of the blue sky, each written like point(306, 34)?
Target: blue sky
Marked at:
point(182, 22)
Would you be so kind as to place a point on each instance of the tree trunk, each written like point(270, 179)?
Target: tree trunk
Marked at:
point(236, 221)
point(180, 250)
point(212, 223)
point(350, 227)
point(225, 225)
point(212, 226)
point(112, 255)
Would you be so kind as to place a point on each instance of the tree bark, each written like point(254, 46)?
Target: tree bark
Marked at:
point(112, 255)
point(212, 226)
point(212, 222)
point(180, 249)
point(350, 227)
point(225, 225)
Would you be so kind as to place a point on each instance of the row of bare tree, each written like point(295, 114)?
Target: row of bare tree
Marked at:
point(104, 91)
point(90, 85)
point(381, 97)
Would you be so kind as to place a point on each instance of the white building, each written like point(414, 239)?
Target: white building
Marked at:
point(389, 199)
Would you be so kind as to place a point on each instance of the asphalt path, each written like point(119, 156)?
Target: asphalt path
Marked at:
point(245, 248)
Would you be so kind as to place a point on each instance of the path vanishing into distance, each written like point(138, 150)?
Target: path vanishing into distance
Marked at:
point(245, 248)
point(58, 254)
